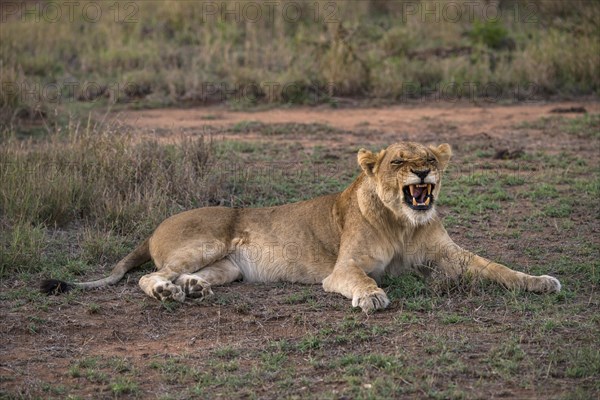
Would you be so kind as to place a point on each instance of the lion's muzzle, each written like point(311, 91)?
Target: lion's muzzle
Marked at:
point(419, 196)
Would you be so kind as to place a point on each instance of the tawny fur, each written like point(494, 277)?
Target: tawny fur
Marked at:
point(346, 241)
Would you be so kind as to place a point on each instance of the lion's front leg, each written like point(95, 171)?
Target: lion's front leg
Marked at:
point(479, 266)
point(351, 281)
point(455, 261)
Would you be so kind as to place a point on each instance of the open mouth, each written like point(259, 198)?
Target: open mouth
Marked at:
point(419, 196)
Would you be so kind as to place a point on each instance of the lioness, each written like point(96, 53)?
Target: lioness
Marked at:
point(384, 222)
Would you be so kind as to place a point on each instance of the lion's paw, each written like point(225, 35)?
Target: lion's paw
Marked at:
point(194, 286)
point(168, 291)
point(546, 284)
point(371, 300)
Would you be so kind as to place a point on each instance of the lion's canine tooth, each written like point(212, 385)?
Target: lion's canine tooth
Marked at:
point(412, 190)
point(414, 202)
point(428, 188)
point(427, 201)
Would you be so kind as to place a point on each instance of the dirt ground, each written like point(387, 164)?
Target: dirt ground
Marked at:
point(419, 122)
point(74, 345)
point(400, 118)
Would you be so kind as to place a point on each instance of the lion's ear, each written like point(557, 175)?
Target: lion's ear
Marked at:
point(443, 153)
point(368, 160)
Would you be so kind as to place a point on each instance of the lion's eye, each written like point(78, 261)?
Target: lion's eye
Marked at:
point(431, 160)
point(397, 162)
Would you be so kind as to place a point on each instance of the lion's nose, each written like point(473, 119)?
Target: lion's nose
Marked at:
point(421, 174)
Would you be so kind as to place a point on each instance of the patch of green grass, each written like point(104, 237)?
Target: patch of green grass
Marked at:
point(227, 366)
point(304, 296)
point(73, 267)
point(588, 126)
point(175, 370)
point(578, 393)
point(541, 191)
point(22, 248)
point(94, 308)
point(210, 117)
point(57, 390)
point(413, 290)
point(497, 193)
point(484, 153)
point(452, 393)
point(558, 210)
point(102, 247)
point(407, 317)
point(75, 371)
point(506, 358)
point(269, 175)
point(588, 186)
point(584, 362)
point(170, 306)
point(36, 324)
point(371, 375)
point(558, 163)
point(475, 179)
point(490, 33)
point(405, 286)
point(124, 386)
point(278, 129)
point(229, 147)
point(575, 362)
point(281, 346)
point(226, 352)
point(274, 361)
point(451, 319)
point(513, 180)
point(89, 362)
point(384, 362)
point(310, 343)
point(544, 123)
point(484, 192)
point(96, 376)
point(120, 365)
point(247, 126)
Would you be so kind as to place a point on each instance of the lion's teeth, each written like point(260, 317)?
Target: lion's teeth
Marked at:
point(412, 190)
point(428, 189)
point(414, 202)
point(427, 201)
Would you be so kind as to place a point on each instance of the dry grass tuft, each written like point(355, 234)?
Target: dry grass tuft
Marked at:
point(98, 173)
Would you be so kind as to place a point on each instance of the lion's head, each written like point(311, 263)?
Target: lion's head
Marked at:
point(407, 177)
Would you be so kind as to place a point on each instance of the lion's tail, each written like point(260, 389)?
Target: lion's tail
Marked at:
point(134, 259)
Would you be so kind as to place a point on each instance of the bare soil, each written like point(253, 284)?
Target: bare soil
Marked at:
point(423, 122)
point(43, 340)
point(394, 119)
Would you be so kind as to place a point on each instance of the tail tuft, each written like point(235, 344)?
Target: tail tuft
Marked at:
point(55, 287)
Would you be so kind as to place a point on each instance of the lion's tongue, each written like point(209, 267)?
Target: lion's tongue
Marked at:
point(418, 194)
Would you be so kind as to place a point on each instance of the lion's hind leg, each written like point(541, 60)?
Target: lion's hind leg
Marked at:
point(159, 285)
point(199, 283)
point(174, 279)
